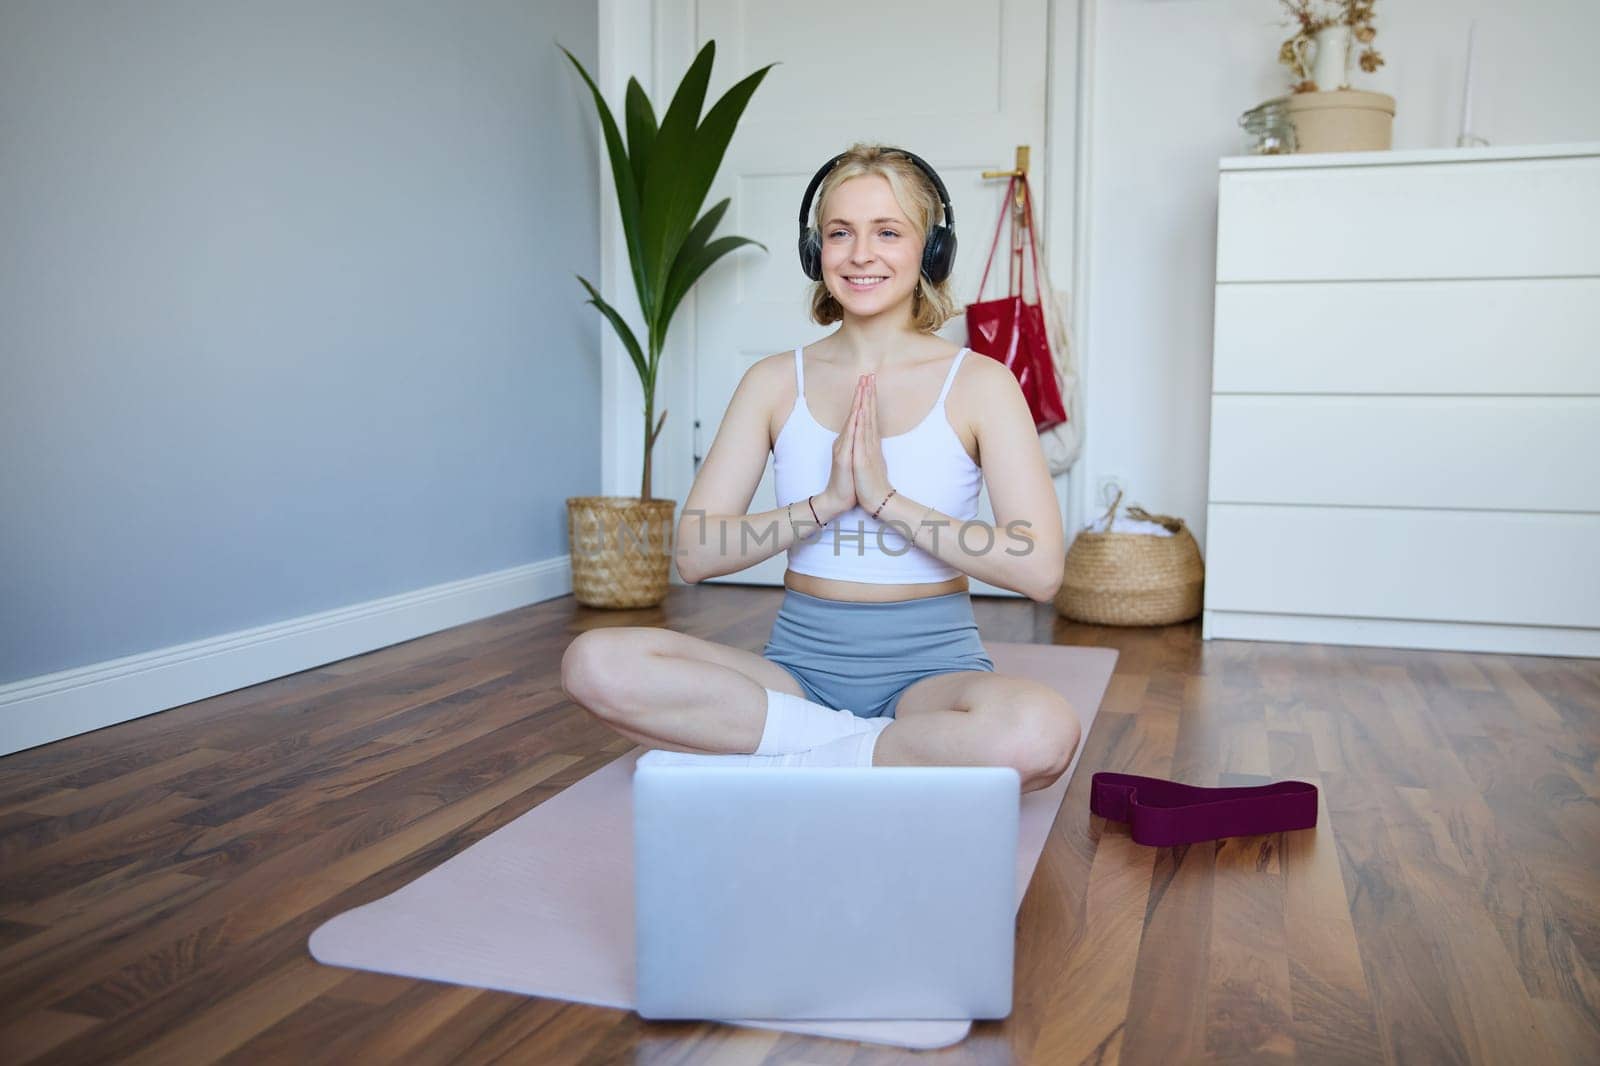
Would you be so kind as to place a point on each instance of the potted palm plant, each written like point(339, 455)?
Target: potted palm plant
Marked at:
point(622, 545)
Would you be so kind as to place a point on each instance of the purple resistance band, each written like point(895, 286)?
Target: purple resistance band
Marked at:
point(1165, 813)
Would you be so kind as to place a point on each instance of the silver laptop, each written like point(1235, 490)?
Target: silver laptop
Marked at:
point(886, 892)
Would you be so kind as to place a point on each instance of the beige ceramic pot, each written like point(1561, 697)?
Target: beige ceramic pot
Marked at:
point(1346, 120)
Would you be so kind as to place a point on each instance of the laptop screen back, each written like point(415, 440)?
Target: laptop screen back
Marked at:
point(822, 892)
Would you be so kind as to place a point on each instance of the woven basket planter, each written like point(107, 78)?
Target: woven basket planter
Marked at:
point(621, 549)
point(1133, 579)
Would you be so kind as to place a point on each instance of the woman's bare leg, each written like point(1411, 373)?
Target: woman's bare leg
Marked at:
point(671, 691)
point(981, 718)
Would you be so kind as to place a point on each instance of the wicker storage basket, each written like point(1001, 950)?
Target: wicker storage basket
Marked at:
point(1132, 579)
point(621, 549)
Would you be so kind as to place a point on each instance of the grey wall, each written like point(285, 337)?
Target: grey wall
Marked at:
point(287, 310)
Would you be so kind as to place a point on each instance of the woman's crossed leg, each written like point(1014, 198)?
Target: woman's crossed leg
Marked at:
point(981, 718)
point(675, 692)
point(671, 691)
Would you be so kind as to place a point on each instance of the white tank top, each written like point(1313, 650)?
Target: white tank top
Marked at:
point(927, 463)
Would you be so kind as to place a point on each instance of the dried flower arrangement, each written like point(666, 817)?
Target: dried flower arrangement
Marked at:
point(1313, 15)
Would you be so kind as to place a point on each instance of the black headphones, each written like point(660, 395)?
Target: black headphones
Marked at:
point(938, 253)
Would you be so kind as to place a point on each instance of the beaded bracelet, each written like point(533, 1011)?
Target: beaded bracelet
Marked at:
point(797, 535)
point(885, 500)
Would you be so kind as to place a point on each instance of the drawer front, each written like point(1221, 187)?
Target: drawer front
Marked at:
point(1512, 335)
point(1458, 566)
point(1499, 218)
point(1533, 453)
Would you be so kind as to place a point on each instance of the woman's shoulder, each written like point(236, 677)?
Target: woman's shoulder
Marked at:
point(982, 391)
point(770, 370)
point(980, 373)
point(946, 350)
point(776, 376)
point(761, 388)
point(770, 385)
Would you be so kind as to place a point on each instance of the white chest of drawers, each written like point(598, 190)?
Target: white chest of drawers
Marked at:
point(1405, 410)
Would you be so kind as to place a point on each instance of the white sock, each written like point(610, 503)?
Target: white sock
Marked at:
point(797, 724)
point(855, 749)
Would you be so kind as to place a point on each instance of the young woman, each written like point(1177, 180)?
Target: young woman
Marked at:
point(874, 659)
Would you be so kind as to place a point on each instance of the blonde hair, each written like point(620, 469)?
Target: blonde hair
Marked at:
point(933, 304)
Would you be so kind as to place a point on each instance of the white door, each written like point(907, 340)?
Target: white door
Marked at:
point(960, 84)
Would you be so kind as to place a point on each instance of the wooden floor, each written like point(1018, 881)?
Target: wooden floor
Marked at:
point(159, 879)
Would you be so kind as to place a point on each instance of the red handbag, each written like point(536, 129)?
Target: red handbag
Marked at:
point(1011, 329)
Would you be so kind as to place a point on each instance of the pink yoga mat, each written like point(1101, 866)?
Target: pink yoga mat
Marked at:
point(544, 905)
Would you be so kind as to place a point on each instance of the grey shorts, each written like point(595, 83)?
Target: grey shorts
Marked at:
point(861, 656)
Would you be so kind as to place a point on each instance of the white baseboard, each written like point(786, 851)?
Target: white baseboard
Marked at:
point(41, 709)
point(1559, 641)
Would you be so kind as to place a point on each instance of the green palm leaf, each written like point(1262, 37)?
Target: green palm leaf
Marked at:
point(627, 190)
point(621, 326)
point(641, 130)
point(711, 145)
point(696, 239)
point(661, 193)
point(688, 268)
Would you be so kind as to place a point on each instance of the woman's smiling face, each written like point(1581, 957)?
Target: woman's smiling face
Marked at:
point(866, 236)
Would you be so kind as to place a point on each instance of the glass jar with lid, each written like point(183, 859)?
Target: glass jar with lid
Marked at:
point(1269, 129)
